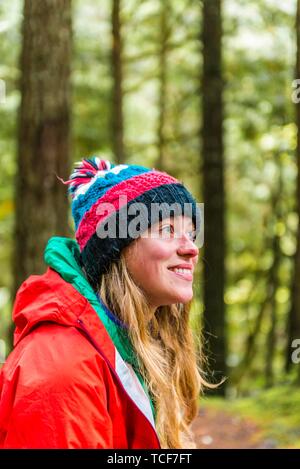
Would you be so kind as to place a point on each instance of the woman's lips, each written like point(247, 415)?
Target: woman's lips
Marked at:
point(186, 276)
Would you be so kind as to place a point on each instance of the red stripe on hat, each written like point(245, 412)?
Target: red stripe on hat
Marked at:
point(117, 197)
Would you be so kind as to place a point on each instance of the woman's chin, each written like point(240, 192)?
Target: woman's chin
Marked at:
point(169, 298)
point(183, 297)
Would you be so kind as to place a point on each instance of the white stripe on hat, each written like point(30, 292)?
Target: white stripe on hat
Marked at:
point(83, 188)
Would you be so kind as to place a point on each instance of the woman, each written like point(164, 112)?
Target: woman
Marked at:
point(103, 356)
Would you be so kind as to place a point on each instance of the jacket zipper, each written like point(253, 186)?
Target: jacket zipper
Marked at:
point(92, 341)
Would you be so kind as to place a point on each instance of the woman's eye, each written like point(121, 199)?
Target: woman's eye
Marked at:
point(167, 229)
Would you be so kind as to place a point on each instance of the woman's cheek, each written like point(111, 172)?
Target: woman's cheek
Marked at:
point(161, 251)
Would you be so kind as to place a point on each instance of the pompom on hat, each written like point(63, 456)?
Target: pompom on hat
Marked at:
point(107, 195)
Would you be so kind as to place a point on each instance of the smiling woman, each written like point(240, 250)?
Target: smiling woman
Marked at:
point(102, 340)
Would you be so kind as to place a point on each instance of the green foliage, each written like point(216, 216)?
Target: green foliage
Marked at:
point(10, 14)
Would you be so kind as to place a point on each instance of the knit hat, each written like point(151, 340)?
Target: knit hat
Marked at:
point(114, 204)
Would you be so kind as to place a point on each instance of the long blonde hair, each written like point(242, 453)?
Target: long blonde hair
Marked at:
point(168, 358)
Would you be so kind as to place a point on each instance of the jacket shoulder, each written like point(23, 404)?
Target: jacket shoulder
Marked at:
point(54, 352)
point(54, 392)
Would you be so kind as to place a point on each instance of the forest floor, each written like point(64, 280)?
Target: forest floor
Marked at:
point(218, 429)
point(268, 419)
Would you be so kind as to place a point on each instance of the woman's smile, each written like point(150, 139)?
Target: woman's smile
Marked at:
point(184, 272)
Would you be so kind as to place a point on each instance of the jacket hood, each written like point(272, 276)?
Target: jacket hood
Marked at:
point(48, 297)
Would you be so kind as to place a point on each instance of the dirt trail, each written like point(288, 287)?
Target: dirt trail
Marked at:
point(219, 429)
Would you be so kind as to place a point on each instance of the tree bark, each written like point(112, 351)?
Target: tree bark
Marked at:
point(43, 133)
point(117, 91)
point(213, 187)
point(274, 284)
point(294, 313)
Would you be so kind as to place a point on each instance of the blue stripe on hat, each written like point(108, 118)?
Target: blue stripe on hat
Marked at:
point(97, 190)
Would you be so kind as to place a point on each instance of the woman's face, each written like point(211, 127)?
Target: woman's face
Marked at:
point(162, 261)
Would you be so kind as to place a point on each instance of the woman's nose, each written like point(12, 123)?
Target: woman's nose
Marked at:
point(187, 247)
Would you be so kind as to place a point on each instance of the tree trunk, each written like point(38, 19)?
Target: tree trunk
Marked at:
point(294, 313)
point(273, 285)
point(213, 187)
point(117, 91)
point(250, 350)
point(164, 36)
point(43, 133)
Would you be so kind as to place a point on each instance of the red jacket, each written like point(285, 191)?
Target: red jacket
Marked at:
point(65, 385)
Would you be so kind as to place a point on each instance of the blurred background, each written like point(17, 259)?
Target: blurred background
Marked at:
point(205, 91)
